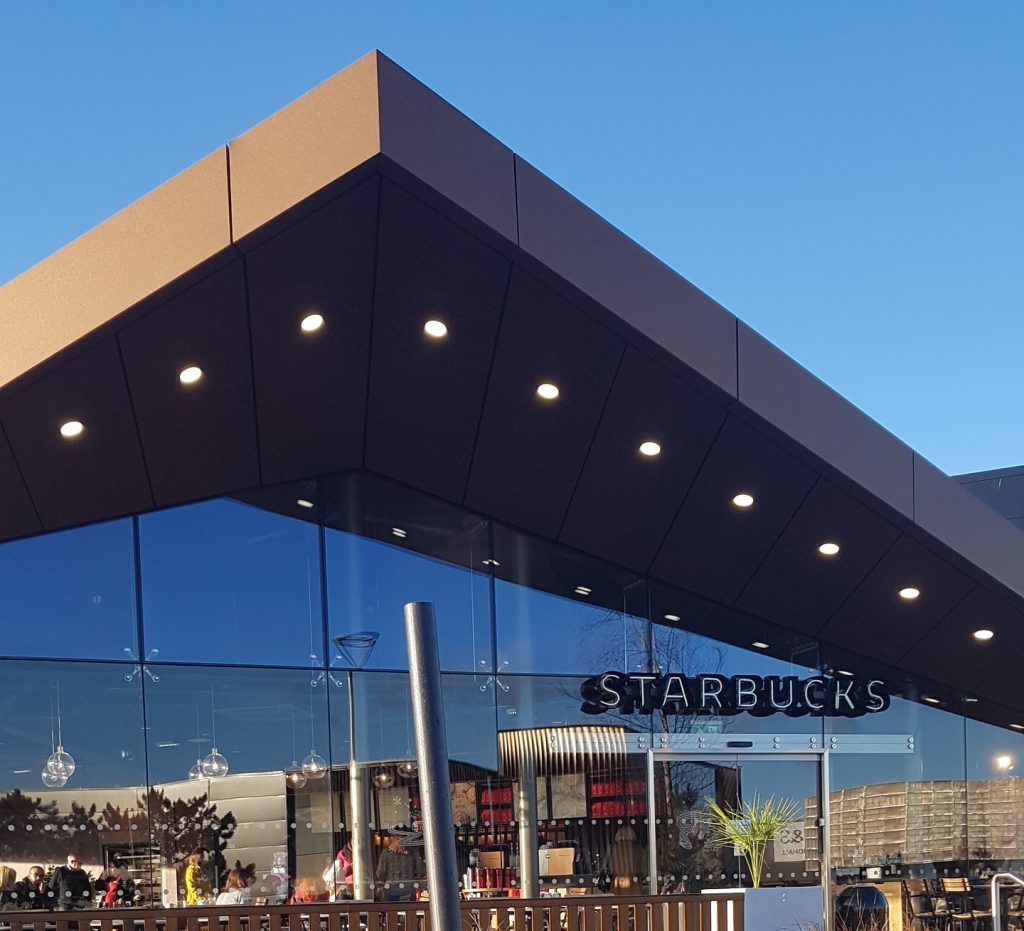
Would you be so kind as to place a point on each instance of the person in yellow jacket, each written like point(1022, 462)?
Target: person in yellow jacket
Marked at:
point(197, 888)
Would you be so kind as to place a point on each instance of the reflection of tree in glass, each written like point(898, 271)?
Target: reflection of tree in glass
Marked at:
point(621, 641)
point(31, 829)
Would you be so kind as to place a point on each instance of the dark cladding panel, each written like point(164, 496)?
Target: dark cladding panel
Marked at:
point(311, 386)
point(625, 502)
point(199, 439)
point(799, 587)
point(792, 399)
point(950, 653)
point(714, 547)
point(530, 451)
point(17, 516)
point(426, 394)
point(875, 613)
point(96, 475)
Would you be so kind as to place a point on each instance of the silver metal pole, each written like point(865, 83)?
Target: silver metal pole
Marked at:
point(432, 757)
point(526, 815)
point(362, 848)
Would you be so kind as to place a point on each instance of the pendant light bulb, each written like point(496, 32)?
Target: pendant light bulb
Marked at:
point(407, 769)
point(52, 781)
point(214, 764)
point(196, 772)
point(295, 777)
point(383, 779)
point(61, 763)
point(314, 766)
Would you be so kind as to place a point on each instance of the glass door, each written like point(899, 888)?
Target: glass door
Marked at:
point(689, 856)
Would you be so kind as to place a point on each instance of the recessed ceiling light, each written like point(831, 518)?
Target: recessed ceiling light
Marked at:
point(547, 391)
point(303, 503)
point(1017, 727)
point(760, 644)
point(672, 617)
point(491, 562)
point(650, 448)
point(844, 672)
point(909, 594)
point(399, 532)
point(983, 634)
point(435, 329)
point(970, 699)
point(190, 375)
point(583, 590)
point(931, 700)
point(828, 549)
point(743, 500)
point(311, 323)
point(71, 428)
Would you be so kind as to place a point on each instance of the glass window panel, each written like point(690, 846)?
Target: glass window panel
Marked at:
point(387, 546)
point(230, 582)
point(70, 594)
point(995, 798)
point(93, 800)
point(903, 812)
point(559, 611)
point(257, 729)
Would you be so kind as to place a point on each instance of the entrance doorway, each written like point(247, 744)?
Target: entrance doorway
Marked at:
point(684, 786)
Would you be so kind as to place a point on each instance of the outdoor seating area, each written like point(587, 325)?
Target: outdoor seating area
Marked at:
point(955, 903)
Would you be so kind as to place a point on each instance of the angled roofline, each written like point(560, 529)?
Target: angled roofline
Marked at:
point(375, 115)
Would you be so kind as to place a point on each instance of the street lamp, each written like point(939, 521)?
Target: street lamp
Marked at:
point(355, 650)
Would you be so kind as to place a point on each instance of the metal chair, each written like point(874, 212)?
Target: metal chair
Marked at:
point(920, 906)
point(959, 895)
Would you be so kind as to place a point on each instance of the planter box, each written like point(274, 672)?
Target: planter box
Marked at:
point(799, 908)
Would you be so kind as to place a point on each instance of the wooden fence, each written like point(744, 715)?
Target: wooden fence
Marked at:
point(722, 912)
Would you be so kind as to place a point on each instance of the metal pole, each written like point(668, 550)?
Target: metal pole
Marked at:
point(432, 757)
point(526, 815)
point(362, 849)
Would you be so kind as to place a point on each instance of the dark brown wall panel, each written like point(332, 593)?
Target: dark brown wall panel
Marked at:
point(426, 395)
point(530, 452)
point(311, 387)
point(714, 547)
point(17, 515)
point(625, 502)
point(199, 440)
point(97, 475)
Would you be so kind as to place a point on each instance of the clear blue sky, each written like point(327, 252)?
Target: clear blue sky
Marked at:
point(845, 177)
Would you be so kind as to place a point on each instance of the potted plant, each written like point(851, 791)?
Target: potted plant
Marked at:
point(750, 828)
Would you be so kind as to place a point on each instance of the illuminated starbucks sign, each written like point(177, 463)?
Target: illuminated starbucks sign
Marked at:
point(678, 694)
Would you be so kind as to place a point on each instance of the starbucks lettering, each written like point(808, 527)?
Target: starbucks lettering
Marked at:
point(674, 693)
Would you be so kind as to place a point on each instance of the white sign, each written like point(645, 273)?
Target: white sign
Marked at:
point(790, 845)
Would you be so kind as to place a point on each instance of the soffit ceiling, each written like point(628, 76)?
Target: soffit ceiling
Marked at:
point(378, 251)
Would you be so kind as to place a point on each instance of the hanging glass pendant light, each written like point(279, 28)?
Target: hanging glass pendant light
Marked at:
point(295, 777)
point(196, 772)
point(60, 763)
point(51, 781)
point(214, 764)
point(383, 779)
point(407, 769)
point(314, 765)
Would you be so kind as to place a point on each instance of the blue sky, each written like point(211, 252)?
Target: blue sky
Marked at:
point(846, 178)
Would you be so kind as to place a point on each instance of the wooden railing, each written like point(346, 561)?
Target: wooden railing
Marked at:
point(722, 912)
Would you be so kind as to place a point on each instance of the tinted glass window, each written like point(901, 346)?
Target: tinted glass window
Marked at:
point(227, 582)
point(70, 594)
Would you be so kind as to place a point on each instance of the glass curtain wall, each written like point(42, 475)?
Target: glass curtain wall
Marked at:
point(186, 692)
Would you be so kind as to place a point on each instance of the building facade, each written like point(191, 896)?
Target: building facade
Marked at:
point(365, 356)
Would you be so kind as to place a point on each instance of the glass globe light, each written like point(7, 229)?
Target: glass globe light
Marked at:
point(383, 779)
point(407, 769)
point(196, 772)
point(214, 764)
point(51, 781)
point(314, 766)
point(295, 777)
point(61, 763)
